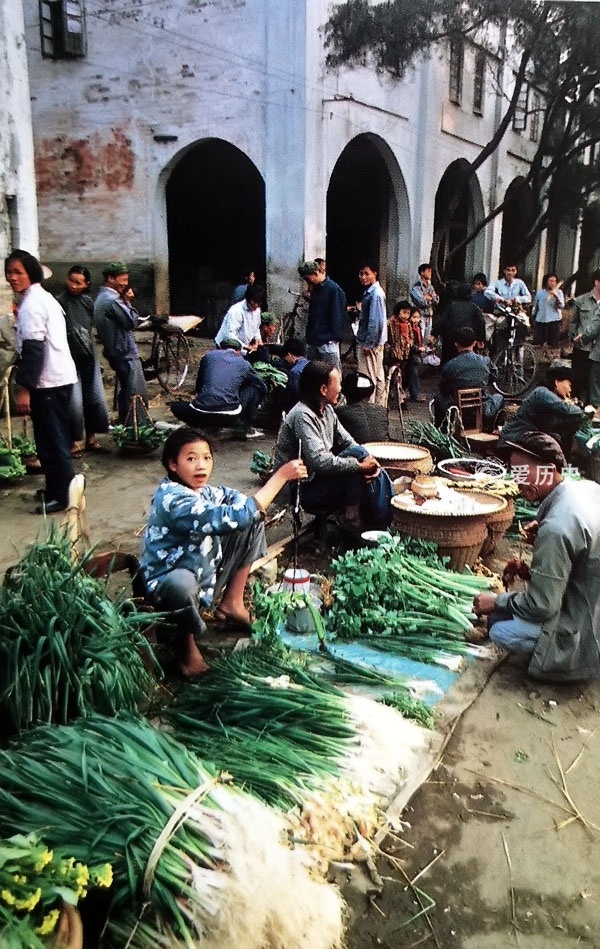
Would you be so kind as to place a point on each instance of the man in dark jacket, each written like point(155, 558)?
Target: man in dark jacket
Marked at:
point(228, 392)
point(459, 312)
point(557, 619)
point(327, 322)
point(467, 370)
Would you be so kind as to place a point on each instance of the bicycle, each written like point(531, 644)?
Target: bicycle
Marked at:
point(169, 357)
point(516, 363)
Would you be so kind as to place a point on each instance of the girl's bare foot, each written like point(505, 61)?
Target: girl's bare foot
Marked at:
point(235, 612)
point(194, 663)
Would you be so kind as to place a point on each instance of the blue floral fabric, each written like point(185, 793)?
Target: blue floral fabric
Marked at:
point(184, 531)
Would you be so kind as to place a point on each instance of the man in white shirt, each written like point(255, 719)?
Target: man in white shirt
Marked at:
point(509, 288)
point(242, 320)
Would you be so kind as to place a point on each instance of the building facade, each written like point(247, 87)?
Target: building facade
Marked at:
point(197, 137)
point(18, 210)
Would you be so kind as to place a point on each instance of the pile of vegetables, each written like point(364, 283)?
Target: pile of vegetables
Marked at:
point(262, 465)
point(275, 728)
point(34, 881)
point(11, 466)
point(270, 375)
point(402, 603)
point(193, 860)
point(440, 444)
point(65, 648)
point(146, 436)
point(24, 445)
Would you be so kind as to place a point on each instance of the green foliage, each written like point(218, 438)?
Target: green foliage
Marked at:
point(147, 436)
point(65, 648)
point(11, 465)
point(398, 603)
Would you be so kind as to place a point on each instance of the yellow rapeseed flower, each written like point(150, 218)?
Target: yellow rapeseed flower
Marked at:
point(31, 902)
point(45, 858)
point(18, 878)
point(83, 875)
point(48, 923)
point(103, 876)
point(8, 897)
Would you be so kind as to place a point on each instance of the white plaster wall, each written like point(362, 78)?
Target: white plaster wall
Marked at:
point(16, 141)
point(250, 72)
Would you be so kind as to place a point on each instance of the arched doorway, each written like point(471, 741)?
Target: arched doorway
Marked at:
point(456, 262)
point(215, 200)
point(367, 216)
point(517, 218)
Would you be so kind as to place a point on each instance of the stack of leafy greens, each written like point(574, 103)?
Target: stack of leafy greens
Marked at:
point(65, 648)
point(191, 858)
point(402, 603)
point(11, 465)
point(261, 717)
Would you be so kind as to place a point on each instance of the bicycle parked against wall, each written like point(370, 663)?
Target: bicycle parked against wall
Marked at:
point(169, 357)
point(516, 361)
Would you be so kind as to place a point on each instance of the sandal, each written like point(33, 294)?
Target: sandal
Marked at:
point(230, 620)
point(95, 446)
point(76, 453)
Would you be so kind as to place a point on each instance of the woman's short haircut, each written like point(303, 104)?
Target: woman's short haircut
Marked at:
point(31, 264)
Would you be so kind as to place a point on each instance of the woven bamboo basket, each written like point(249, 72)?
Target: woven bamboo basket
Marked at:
point(594, 467)
point(459, 537)
point(497, 525)
point(401, 458)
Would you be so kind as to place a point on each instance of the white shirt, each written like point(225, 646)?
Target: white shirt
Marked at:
point(240, 322)
point(42, 317)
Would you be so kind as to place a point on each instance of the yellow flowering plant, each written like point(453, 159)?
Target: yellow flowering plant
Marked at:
point(34, 882)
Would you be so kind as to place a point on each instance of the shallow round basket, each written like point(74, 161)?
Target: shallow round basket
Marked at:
point(458, 536)
point(471, 469)
point(401, 458)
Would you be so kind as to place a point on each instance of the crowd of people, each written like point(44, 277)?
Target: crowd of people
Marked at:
point(201, 540)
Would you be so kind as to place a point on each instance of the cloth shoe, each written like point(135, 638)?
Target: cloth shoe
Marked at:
point(254, 433)
point(51, 507)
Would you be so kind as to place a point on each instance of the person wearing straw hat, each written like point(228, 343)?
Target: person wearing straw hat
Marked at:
point(557, 619)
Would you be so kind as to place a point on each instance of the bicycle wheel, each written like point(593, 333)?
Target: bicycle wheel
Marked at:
point(516, 367)
point(172, 361)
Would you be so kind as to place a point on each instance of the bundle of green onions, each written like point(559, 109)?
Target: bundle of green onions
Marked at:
point(401, 605)
point(276, 729)
point(441, 444)
point(65, 648)
point(190, 856)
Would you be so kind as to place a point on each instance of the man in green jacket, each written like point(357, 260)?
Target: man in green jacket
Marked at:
point(557, 619)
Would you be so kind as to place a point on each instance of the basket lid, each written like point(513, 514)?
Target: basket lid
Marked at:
point(396, 451)
point(482, 505)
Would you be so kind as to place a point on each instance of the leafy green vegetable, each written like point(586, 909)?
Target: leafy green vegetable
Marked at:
point(65, 648)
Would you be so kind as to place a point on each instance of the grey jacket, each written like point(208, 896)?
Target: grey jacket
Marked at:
point(586, 320)
point(565, 582)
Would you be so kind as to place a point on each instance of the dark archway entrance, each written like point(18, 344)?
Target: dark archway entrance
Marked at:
point(367, 215)
point(517, 218)
point(216, 225)
point(454, 186)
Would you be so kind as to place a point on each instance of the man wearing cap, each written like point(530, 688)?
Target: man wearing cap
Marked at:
point(363, 419)
point(327, 321)
point(115, 320)
point(557, 619)
point(228, 392)
point(242, 320)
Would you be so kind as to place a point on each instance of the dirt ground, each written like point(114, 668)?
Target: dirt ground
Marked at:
point(501, 842)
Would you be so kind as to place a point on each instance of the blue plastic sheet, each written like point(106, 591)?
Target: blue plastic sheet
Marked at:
point(382, 662)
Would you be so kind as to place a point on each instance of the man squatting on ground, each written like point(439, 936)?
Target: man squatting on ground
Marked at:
point(557, 619)
point(200, 541)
